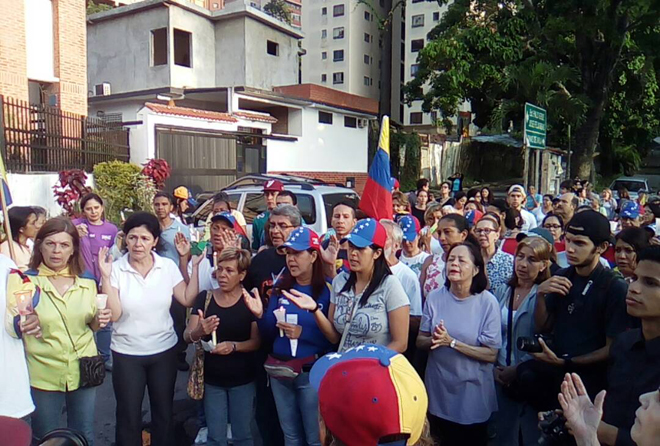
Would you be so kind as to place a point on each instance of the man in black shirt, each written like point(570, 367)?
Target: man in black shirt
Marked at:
point(635, 355)
point(266, 268)
point(583, 308)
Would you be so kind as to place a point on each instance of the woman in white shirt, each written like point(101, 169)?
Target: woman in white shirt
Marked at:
point(140, 287)
point(22, 222)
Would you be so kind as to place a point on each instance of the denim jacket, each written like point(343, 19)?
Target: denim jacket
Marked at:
point(523, 323)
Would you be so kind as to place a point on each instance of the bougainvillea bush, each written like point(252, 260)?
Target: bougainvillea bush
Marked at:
point(69, 189)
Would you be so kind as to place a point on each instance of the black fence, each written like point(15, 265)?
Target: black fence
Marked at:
point(38, 138)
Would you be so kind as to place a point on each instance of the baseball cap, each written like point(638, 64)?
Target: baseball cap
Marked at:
point(537, 232)
point(182, 193)
point(410, 227)
point(367, 232)
point(15, 432)
point(473, 216)
point(229, 218)
point(395, 183)
point(517, 188)
point(273, 185)
point(370, 392)
point(302, 239)
point(591, 224)
point(630, 210)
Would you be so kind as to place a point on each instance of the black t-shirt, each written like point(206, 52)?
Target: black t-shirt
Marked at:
point(419, 213)
point(265, 267)
point(234, 369)
point(593, 310)
point(634, 369)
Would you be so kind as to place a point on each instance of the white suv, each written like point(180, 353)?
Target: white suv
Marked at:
point(315, 199)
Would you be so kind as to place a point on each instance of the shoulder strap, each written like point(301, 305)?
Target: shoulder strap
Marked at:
point(209, 296)
point(347, 327)
point(65, 327)
point(509, 328)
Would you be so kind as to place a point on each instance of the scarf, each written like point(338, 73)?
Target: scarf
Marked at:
point(44, 271)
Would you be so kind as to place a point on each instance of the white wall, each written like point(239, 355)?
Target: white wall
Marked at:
point(37, 190)
point(39, 40)
point(321, 148)
point(202, 72)
point(262, 69)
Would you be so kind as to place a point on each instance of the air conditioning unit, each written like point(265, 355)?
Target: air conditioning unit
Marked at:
point(102, 89)
point(362, 123)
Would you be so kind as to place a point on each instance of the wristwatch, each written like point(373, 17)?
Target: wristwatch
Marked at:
point(452, 344)
point(233, 347)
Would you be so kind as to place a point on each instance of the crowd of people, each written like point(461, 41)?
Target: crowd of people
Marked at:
point(457, 321)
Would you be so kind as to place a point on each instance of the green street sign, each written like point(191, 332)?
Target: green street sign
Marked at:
point(536, 124)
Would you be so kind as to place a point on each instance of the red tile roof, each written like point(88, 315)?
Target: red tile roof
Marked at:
point(190, 112)
point(259, 117)
point(328, 96)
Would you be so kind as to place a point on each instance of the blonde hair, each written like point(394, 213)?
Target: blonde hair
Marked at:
point(242, 257)
point(543, 251)
point(431, 208)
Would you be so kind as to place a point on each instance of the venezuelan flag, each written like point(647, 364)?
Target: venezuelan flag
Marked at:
point(5, 184)
point(376, 199)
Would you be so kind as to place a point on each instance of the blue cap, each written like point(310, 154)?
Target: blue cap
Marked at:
point(367, 232)
point(410, 226)
point(229, 218)
point(302, 239)
point(630, 210)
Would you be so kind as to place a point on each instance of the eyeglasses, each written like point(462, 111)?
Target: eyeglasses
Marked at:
point(552, 226)
point(280, 226)
point(485, 231)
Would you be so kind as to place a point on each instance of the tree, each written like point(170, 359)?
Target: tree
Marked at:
point(563, 55)
point(279, 10)
point(93, 7)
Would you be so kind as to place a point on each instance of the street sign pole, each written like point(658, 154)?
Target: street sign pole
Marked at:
point(535, 132)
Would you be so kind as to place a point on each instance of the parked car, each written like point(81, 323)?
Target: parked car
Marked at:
point(633, 184)
point(315, 199)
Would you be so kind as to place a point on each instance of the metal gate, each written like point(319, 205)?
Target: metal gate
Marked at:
point(206, 162)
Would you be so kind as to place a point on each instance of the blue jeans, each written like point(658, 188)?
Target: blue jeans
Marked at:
point(297, 406)
point(79, 411)
point(103, 338)
point(235, 404)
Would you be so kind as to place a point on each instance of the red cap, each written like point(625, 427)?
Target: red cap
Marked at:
point(273, 186)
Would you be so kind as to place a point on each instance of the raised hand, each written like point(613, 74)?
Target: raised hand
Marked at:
point(196, 260)
point(329, 254)
point(230, 239)
point(254, 304)
point(208, 325)
point(104, 262)
point(182, 244)
point(302, 300)
point(582, 417)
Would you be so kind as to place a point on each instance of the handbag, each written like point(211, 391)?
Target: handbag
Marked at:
point(92, 368)
point(195, 386)
point(287, 369)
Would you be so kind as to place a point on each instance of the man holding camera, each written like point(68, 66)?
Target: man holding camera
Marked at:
point(580, 309)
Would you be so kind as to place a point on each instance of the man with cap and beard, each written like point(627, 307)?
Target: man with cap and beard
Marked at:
point(582, 309)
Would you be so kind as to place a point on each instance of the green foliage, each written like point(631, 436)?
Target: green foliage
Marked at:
point(411, 144)
point(93, 7)
point(122, 187)
point(593, 65)
point(278, 9)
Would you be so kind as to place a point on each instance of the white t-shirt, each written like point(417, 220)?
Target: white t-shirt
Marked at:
point(205, 275)
point(529, 220)
point(410, 283)
point(538, 213)
point(415, 262)
point(15, 398)
point(145, 326)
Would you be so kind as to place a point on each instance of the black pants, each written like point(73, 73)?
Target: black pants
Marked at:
point(448, 433)
point(130, 375)
point(178, 313)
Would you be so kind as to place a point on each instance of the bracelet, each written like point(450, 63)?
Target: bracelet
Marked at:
point(192, 340)
point(315, 309)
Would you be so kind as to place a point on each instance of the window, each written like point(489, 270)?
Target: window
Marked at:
point(338, 78)
point(307, 208)
point(338, 10)
point(436, 16)
point(325, 117)
point(254, 205)
point(324, 78)
point(417, 20)
point(416, 117)
point(272, 48)
point(434, 116)
point(182, 48)
point(338, 33)
point(324, 11)
point(367, 81)
point(367, 37)
point(416, 45)
point(338, 55)
point(414, 68)
point(324, 55)
point(350, 122)
point(159, 46)
point(367, 16)
point(324, 34)
point(402, 71)
point(367, 59)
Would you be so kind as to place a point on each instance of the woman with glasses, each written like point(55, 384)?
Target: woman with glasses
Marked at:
point(499, 264)
point(555, 225)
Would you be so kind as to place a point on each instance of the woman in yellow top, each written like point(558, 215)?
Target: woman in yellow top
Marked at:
point(23, 225)
point(63, 311)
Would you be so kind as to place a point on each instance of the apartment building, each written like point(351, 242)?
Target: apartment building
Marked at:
point(343, 45)
point(43, 53)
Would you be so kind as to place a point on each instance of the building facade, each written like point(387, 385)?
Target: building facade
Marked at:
point(43, 53)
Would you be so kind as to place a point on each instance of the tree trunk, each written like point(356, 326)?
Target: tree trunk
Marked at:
point(586, 140)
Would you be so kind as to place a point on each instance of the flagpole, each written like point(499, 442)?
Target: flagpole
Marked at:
point(5, 215)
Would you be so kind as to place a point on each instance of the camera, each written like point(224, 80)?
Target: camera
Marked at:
point(553, 430)
point(531, 344)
